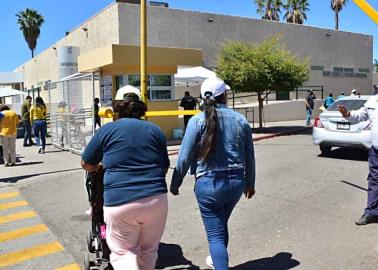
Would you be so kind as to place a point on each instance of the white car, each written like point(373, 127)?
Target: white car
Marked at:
point(331, 129)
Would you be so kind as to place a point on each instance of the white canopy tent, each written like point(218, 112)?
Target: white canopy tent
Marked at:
point(192, 76)
point(8, 92)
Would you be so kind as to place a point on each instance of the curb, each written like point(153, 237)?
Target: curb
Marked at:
point(270, 136)
point(286, 133)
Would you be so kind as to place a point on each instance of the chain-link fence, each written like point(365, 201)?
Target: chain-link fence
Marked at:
point(71, 111)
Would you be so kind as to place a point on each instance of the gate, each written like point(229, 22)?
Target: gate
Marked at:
point(71, 111)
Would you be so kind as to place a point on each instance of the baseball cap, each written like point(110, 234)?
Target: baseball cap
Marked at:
point(354, 91)
point(213, 87)
point(128, 89)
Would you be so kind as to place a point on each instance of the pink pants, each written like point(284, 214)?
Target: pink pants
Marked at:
point(134, 231)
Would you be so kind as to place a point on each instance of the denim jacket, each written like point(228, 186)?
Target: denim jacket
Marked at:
point(233, 149)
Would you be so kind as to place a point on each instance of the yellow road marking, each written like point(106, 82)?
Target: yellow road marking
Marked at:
point(18, 216)
point(4, 206)
point(69, 267)
point(23, 232)
point(368, 9)
point(20, 256)
point(9, 195)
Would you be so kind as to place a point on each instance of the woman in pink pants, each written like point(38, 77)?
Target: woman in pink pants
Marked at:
point(135, 159)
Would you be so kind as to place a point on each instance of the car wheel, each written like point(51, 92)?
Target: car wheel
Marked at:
point(325, 149)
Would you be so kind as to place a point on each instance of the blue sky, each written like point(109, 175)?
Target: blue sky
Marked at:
point(62, 16)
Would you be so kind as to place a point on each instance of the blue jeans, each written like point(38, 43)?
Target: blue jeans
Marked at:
point(39, 129)
point(217, 194)
point(308, 116)
point(27, 132)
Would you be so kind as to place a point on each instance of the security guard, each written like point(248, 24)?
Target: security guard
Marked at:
point(369, 112)
point(188, 103)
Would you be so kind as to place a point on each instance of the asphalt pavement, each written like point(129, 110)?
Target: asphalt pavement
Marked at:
point(302, 216)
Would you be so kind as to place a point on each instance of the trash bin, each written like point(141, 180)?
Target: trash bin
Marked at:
point(177, 133)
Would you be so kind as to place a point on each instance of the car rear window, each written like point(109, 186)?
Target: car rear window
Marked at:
point(353, 104)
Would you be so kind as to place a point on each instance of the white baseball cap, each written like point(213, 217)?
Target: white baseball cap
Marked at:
point(128, 89)
point(354, 91)
point(213, 87)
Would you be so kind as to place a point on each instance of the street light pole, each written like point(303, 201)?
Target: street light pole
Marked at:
point(143, 50)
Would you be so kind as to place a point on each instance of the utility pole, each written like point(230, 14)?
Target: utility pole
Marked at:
point(143, 50)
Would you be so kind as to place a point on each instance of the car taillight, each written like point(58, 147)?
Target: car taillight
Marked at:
point(368, 127)
point(318, 123)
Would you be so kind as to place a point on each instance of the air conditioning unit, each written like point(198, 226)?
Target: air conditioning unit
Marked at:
point(158, 4)
point(129, 1)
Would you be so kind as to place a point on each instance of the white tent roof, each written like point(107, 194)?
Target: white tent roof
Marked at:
point(7, 78)
point(191, 76)
point(7, 92)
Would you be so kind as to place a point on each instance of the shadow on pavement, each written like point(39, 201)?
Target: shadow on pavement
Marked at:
point(15, 179)
point(280, 261)
point(171, 255)
point(348, 154)
point(28, 163)
point(298, 130)
point(354, 185)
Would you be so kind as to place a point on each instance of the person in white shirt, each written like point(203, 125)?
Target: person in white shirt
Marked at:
point(369, 112)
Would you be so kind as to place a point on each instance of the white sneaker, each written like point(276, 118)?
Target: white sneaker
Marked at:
point(209, 262)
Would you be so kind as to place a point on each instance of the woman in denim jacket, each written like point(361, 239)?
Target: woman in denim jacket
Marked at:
point(218, 147)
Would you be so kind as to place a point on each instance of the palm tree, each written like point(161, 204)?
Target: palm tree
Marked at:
point(30, 22)
point(337, 6)
point(296, 11)
point(269, 9)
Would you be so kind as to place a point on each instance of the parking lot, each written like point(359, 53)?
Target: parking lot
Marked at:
point(302, 216)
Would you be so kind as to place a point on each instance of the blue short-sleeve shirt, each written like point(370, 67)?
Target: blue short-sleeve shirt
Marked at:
point(135, 158)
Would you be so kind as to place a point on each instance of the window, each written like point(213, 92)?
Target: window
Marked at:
point(326, 73)
point(160, 94)
point(353, 104)
point(363, 70)
point(348, 72)
point(160, 80)
point(134, 80)
point(361, 75)
point(320, 68)
point(160, 87)
point(338, 71)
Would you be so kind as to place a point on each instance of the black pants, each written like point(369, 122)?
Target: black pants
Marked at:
point(186, 119)
point(97, 121)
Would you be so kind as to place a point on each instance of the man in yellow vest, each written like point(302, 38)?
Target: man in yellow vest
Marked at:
point(8, 133)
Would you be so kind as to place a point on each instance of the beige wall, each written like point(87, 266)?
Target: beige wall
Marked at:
point(322, 47)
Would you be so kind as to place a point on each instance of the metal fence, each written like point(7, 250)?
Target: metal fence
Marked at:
point(71, 111)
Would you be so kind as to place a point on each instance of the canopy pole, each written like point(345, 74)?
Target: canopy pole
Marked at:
point(143, 50)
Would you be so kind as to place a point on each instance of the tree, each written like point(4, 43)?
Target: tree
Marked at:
point(269, 9)
point(375, 65)
point(337, 6)
point(296, 11)
point(260, 68)
point(30, 22)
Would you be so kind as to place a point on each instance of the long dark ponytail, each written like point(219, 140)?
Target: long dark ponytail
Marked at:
point(39, 102)
point(209, 140)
